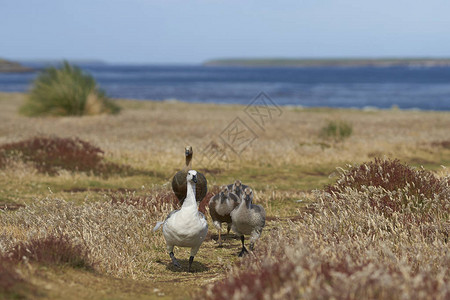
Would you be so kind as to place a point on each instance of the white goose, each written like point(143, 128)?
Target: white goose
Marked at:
point(185, 227)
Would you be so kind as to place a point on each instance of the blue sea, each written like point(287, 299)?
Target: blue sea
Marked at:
point(426, 88)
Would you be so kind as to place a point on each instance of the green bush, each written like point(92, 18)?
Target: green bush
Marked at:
point(337, 129)
point(67, 91)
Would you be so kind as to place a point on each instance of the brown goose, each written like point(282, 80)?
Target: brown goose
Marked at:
point(179, 185)
point(220, 207)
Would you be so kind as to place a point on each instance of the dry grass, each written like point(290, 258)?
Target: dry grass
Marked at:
point(350, 249)
point(114, 234)
point(343, 245)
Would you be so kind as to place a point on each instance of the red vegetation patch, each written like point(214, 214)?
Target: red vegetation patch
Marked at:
point(256, 284)
point(49, 155)
point(390, 175)
point(442, 144)
point(255, 277)
point(9, 278)
point(51, 250)
point(408, 186)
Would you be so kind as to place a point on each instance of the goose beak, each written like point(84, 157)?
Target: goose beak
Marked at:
point(194, 178)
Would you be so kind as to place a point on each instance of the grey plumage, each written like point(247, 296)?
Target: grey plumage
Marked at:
point(248, 219)
point(220, 207)
point(237, 188)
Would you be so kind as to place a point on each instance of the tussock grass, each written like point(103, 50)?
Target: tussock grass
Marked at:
point(67, 91)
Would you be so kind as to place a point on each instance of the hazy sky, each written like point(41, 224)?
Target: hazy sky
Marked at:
point(183, 31)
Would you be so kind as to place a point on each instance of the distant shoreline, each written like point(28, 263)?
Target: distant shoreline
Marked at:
point(131, 102)
point(329, 62)
point(12, 67)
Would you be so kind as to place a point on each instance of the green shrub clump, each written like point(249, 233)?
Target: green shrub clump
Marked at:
point(337, 129)
point(67, 91)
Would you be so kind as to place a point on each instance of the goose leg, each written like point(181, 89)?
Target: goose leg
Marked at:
point(220, 239)
point(174, 260)
point(244, 250)
point(191, 259)
point(228, 228)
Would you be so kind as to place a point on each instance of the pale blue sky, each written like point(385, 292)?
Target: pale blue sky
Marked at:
point(183, 31)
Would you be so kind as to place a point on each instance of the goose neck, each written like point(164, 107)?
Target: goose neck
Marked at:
point(190, 195)
point(248, 204)
point(188, 162)
point(242, 205)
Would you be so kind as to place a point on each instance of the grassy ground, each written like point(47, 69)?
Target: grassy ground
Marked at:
point(288, 158)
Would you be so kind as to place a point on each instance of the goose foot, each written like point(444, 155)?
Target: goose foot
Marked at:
point(191, 259)
point(243, 251)
point(174, 260)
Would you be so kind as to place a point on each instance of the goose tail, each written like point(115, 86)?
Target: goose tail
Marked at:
point(157, 226)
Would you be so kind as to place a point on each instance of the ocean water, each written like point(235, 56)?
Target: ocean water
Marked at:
point(425, 88)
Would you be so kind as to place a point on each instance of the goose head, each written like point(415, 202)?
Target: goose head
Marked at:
point(248, 197)
point(223, 193)
point(191, 176)
point(188, 151)
point(237, 186)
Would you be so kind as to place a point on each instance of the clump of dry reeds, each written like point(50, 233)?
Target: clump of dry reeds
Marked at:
point(157, 203)
point(351, 249)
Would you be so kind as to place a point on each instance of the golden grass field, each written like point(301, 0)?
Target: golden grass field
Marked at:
point(289, 160)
